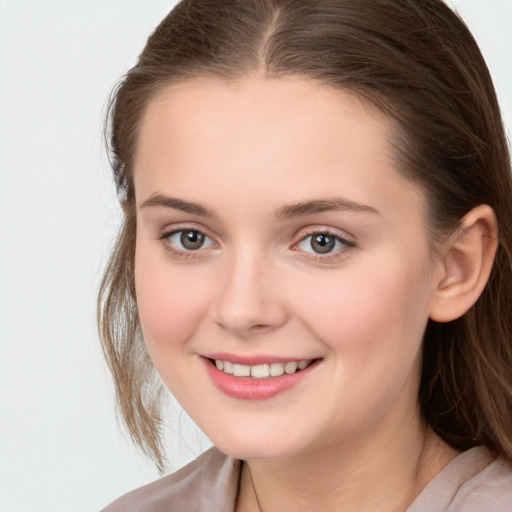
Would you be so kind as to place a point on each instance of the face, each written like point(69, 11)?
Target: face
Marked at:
point(283, 270)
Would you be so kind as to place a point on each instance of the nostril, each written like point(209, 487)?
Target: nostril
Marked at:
point(259, 328)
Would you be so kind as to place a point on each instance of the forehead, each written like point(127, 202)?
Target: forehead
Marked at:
point(264, 136)
point(285, 108)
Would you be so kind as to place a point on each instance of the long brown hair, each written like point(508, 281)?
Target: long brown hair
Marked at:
point(418, 63)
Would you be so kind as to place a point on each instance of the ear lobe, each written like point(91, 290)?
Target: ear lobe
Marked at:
point(466, 265)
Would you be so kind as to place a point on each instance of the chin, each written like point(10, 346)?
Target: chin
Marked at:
point(258, 444)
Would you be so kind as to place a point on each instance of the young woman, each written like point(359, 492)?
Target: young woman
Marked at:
point(315, 258)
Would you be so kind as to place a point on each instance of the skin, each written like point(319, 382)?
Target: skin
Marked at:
point(349, 436)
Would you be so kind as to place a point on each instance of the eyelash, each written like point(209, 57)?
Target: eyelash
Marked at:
point(165, 239)
point(334, 255)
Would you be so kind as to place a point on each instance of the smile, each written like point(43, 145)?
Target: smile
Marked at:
point(262, 371)
point(260, 380)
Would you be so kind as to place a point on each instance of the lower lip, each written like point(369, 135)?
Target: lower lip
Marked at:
point(245, 388)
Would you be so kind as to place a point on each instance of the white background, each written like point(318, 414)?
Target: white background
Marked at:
point(60, 448)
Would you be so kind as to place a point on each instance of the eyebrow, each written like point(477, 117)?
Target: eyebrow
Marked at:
point(322, 205)
point(161, 201)
point(285, 212)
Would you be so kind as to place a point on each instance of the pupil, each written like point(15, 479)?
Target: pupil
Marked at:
point(322, 243)
point(192, 240)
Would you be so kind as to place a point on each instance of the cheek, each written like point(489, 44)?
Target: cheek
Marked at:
point(372, 320)
point(369, 309)
point(169, 303)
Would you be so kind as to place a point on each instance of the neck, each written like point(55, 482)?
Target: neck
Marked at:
point(376, 474)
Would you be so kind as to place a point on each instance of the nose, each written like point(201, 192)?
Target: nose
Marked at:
point(249, 300)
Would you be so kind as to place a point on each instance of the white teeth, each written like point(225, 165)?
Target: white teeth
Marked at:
point(241, 370)
point(262, 371)
point(290, 368)
point(276, 369)
point(228, 367)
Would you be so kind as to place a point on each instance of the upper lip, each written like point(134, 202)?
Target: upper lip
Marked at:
point(252, 360)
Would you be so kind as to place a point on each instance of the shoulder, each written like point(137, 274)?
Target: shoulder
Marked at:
point(490, 489)
point(473, 482)
point(209, 483)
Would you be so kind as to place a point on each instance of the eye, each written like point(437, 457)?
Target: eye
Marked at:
point(323, 243)
point(186, 240)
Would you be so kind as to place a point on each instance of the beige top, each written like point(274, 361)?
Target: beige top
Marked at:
point(473, 482)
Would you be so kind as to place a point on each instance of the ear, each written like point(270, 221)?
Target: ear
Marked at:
point(465, 266)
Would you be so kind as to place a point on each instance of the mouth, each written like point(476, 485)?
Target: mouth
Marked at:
point(258, 381)
point(261, 371)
